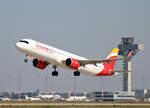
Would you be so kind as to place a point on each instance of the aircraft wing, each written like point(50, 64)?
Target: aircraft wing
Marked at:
point(120, 71)
point(90, 61)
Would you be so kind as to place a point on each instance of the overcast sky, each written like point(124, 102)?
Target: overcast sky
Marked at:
point(89, 28)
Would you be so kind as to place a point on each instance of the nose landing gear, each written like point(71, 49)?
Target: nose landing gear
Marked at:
point(27, 58)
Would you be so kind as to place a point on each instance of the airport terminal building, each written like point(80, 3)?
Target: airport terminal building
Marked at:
point(112, 96)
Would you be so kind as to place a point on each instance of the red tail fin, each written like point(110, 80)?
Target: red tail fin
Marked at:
point(109, 67)
point(112, 55)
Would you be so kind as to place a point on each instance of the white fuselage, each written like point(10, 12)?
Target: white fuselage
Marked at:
point(55, 56)
point(76, 98)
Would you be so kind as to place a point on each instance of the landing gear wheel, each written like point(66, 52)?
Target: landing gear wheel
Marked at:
point(26, 60)
point(76, 73)
point(54, 73)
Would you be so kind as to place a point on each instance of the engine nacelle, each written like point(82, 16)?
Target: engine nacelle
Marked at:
point(72, 63)
point(39, 63)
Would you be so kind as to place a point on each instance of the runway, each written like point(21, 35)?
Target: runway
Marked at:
point(73, 104)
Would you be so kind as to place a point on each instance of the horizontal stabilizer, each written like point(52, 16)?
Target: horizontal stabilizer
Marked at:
point(130, 54)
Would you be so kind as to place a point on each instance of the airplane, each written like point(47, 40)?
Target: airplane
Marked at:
point(48, 96)
point(43, 55)
point(5, 99)
point(77, 98)
point(45, 96)
point(32, 98)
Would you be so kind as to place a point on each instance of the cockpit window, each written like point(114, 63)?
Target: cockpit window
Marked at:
point(24, 41)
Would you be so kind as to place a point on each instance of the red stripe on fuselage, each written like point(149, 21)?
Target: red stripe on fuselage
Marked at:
point(41, 47)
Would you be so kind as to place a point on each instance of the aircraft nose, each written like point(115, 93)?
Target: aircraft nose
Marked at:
point(18, 45)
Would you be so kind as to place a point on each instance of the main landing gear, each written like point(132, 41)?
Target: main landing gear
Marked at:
point(54, 73)
point(76, 73)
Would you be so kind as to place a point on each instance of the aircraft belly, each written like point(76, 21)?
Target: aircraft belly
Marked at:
point(89, 70)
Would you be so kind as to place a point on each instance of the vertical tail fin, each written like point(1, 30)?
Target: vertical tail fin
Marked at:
point(38, 92)
point(109, 66)
point(113, 55)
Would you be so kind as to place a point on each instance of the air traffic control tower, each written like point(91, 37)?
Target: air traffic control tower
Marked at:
point(127, 44)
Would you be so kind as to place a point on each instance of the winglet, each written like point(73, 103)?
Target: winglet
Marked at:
point(129, 56)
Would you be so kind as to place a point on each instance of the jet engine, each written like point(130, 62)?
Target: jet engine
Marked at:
point(72, 63)
point(39, 63)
